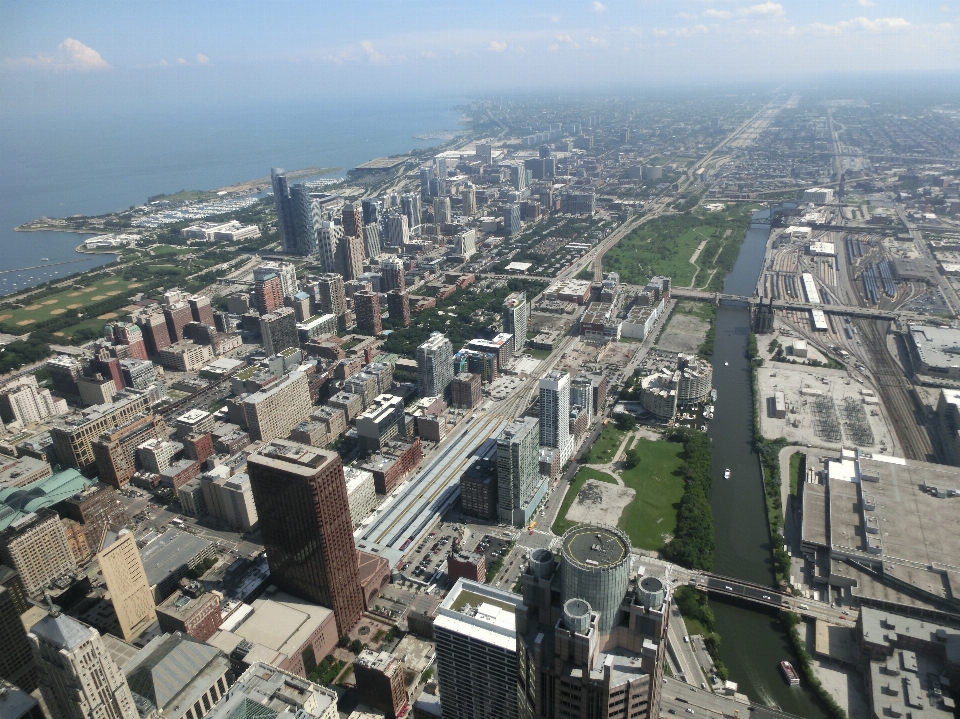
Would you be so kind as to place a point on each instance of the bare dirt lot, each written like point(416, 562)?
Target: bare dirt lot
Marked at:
point(600, 503)
point(684, 333)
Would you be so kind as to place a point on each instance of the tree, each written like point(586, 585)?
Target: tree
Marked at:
point(630, 459)
point(626, 421)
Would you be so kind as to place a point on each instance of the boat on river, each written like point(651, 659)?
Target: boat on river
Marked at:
point(790, 673)
point(713, 395)
point(726, 474)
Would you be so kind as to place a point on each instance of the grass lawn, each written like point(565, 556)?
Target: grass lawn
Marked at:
point(161, 250)
point(659, 486)
point(694, 627)
point(562, 524)
point(537, 354)
point(606, 445)
point(72, 298)
point(795, 460)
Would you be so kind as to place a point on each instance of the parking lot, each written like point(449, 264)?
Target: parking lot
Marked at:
point(427, 557)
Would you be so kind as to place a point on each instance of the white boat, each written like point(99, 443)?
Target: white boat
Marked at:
point(713, 395)
point(726, 474)
point(726, 364)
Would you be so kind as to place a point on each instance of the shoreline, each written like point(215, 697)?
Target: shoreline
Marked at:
point(243, 187)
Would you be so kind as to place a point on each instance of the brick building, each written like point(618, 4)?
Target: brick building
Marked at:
point(395, 460)
point(198, 447)
point(191, 611)
point(468, 565)
point(465, 390)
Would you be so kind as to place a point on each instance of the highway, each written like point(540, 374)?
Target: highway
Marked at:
point(680, 699)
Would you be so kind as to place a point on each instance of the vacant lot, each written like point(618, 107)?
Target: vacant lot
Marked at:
point(686, 328)
point(75, 298)
point(600, 503)
point(562, 524)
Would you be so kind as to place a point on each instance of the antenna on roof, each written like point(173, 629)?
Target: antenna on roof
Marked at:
point(51, 607)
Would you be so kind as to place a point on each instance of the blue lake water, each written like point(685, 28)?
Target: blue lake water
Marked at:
point(89, 162)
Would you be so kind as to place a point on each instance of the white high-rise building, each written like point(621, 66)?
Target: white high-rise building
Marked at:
point(410, 206)
point(306, 218)
point(441, 210)
point(469, 197)
point(329, 237)
point(398, 230)
point(476, 636)
point(467, 243)
point(434, 365)
point(78, 677)
point(515, 315)
point(25, 402)
point(555, 413)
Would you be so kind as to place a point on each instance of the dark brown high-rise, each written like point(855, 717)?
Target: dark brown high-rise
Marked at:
point(301, 498)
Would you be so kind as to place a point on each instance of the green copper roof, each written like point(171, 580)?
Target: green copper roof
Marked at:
point(17, 502)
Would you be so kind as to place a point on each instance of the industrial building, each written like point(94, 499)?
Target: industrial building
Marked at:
point(860, 527)
point(933, 351)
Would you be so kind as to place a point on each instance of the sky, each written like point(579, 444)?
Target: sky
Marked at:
point(132, 51)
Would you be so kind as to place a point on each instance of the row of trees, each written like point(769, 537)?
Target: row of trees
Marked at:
point(693, 542)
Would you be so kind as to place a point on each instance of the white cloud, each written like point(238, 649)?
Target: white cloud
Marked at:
point(202, 59)
point(428, 53)
point(554, 18)
point(769, 9)
point(598, 6)
point(598, 41)
point(181, 61)
point(495, 46)
point(880, 24)
point(866, 3)
point(660, 33)
point(564, 41)
point(371, 53)
point(683, 15)
point(722, 14)
point(71, 54)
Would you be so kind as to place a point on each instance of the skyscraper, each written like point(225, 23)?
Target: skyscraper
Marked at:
point(278, 330)
point(518, 469)
point(581, 395)
point(200, 309)
point(127, 583)
point(398, 230)
point(177, 315)
point(392, 275)
point(352, 218)
point(372, 240)
point(476, 634)
point(329, 238)
point(268, 291)
point(306, 220)
point(410, 206)
point(349, 258)
point(331, 294)
point(281, 201)
point(441, 210)
point(555, 413)
point(37, 549)
point(469, 197)
point(511, 218)
point(515, 315)
point(16, 659)
point(367, 306)
point(398, 304)
point(78, 677)
point(301, 499)
point(434, 365)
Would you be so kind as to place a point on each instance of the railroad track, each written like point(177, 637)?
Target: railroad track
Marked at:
point(896, 391)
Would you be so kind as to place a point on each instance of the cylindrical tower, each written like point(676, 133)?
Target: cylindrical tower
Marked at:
point(595, 567)
point(541, 563)
point(651, 592)
point(576, 615)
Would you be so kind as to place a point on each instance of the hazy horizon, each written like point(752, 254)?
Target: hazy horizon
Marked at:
point(112, 54)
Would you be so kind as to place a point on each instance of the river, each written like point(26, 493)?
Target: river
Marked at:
point(753, 642)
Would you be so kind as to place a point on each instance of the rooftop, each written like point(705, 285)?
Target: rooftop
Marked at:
point(264, 692)
point(591, 547)
point(937, 347)
point(481, 612)
point(18, 502)
point(62, 631)
point(169, 552)
point(278, 625)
